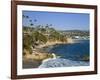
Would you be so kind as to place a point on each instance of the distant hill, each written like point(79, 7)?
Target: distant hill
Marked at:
point(75, 32)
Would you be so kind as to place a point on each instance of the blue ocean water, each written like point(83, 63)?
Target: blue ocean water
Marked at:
point(74, 51)
point(71, 54)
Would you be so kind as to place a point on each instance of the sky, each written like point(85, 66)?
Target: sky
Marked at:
point(59, 20)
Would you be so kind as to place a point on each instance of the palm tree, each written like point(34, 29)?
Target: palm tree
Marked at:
point(23, 16)
point(31, 24)
point(30, 20)
point(35, 20)
point(27, 17)
point(50, 24)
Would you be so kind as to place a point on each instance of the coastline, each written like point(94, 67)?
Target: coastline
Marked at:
point(51, 43)
point(35, 59)
point(69, 41)
point(39, 52)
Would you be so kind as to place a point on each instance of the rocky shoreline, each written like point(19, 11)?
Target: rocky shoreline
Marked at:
point(39, 55)
point(35, 60)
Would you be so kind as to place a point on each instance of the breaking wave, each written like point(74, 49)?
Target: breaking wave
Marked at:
point(60, 62)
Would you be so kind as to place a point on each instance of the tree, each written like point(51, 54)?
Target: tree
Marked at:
point(54, 35)
point(23, 16)
point(35, 20)
point(27, 43)
point(27, 17)
point(31, 24)
point(62, 38)
point(30, 20)
point(39, 37)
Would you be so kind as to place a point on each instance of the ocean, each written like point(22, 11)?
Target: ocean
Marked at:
point(74, 51)
point(70, 54)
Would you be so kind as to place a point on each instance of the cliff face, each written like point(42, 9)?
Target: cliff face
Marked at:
point(70, 40)
point(36, 56)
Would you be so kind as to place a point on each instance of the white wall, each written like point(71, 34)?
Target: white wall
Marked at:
point(5, 35)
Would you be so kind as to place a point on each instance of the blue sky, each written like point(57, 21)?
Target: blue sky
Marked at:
point(59, 20)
